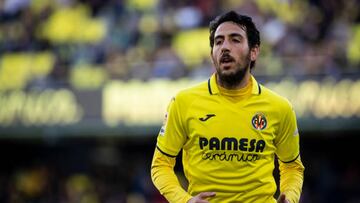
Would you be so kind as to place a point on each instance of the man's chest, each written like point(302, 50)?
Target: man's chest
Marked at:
point(245, 127)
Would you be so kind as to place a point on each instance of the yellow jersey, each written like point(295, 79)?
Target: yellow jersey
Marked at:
point(229, 147)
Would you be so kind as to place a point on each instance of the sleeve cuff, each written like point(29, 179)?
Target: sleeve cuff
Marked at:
point(290, 160)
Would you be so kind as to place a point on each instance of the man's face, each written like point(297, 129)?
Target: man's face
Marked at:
point(230, 54)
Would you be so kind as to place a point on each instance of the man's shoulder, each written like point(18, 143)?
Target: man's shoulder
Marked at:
point(275, 98)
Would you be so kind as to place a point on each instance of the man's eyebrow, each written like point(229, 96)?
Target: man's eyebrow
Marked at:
point(219, 37)
point(231, 35)
point(236, 35)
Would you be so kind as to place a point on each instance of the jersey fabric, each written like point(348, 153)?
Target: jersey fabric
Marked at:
point(229, 147)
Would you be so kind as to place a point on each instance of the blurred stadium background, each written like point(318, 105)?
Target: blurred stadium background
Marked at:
point(84, 85)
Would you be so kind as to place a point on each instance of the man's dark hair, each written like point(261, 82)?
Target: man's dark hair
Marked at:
point(252, 33)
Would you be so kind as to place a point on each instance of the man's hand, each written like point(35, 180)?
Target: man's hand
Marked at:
point(282, 199)
point(200, 198)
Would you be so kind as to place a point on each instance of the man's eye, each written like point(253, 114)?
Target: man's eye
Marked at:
point(236, 40)
point(218, 42)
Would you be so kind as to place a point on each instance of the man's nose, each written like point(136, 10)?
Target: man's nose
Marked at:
point(225, 46)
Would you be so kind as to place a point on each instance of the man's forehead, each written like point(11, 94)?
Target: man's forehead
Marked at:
point(229, 27)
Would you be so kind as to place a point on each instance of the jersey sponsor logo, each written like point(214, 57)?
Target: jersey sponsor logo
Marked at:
point(231, 149)
point(231, 143)
point(226, 156)
point(259, 121)
point(203, 119)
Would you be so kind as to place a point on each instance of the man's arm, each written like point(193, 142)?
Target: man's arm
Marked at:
point(165, 180)
point(291, 179)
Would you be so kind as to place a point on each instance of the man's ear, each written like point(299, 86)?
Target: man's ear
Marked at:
point(212, 57)
point(254, 52)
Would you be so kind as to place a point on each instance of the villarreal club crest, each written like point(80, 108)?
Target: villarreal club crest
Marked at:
point(259, 121)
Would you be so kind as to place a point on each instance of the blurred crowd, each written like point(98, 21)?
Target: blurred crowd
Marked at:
point(85, 43)
point(118, 170)
point(76, 171)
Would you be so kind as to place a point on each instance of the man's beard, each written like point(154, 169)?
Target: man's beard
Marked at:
point(232, 80)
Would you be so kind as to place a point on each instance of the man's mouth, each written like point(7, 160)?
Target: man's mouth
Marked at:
point(226, 59)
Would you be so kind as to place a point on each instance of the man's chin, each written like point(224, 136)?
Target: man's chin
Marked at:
point(227, 75)
point(231, 77)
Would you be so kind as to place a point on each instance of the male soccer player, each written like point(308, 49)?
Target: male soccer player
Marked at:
point(230, 128)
